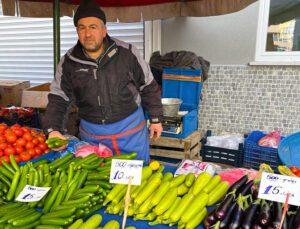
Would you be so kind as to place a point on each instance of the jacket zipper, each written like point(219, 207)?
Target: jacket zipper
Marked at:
point(95, 75)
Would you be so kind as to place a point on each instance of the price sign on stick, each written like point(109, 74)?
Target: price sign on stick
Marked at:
point(32, 193)
point(276, 187)
point(121, 170)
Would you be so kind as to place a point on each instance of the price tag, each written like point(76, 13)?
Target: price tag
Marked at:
point(275, 187)
point(32, 193)
point(121, 170)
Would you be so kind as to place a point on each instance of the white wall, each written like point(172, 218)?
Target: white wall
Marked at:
point(223, 40)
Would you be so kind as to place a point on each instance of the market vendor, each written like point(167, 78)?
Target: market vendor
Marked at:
point(110, 82)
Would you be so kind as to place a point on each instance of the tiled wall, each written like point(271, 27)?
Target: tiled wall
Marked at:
point(239, 99)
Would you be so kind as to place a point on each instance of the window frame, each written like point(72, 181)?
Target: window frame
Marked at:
point(261, 55)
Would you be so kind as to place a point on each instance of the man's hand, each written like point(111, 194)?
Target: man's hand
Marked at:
point(155, 130)
point(57, 134)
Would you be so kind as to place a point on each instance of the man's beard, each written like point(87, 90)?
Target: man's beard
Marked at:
point(93, 48)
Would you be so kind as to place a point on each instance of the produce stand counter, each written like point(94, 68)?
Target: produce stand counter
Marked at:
point(139, 223)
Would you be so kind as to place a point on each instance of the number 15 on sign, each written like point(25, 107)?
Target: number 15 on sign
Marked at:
point(121, 170)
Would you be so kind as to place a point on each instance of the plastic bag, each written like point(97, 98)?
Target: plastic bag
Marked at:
point(196, 166)
point(270, 140)
point(84, 149)
point(227, 141)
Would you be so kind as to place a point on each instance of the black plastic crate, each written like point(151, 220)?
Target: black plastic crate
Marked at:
point(32, 120)
point(221, 155)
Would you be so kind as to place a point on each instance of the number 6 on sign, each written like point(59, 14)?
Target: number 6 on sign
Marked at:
point(121, 170)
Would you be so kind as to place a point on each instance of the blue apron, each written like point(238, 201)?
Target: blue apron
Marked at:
point(125, 136)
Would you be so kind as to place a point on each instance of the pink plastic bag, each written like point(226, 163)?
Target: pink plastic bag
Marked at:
point(270, 140)
point(101, 150)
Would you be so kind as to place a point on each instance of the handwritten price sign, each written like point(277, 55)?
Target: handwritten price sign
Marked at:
point(275, 187)
point(32, 193)
point(121, 170)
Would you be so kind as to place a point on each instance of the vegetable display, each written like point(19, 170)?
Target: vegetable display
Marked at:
point(164, 199)
point(21, 142)
point(77, 190)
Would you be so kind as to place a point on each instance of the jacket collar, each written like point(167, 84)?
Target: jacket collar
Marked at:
point(111, 49)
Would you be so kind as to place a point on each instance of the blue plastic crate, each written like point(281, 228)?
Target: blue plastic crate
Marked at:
point(254, 155)
point(186, 85)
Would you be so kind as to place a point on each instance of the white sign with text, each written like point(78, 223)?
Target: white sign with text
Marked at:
point(121, 170)
point(275, 187)
point(32, 193)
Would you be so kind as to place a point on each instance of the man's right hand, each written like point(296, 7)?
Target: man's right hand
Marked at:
point(57, 134)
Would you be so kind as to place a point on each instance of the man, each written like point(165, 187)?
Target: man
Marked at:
point(110, 83)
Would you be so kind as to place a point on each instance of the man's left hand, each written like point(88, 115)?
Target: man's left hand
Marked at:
point(155, 130)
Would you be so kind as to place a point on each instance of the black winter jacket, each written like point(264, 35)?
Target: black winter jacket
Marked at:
point(106, 90)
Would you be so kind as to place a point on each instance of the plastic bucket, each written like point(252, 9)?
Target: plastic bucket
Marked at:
point(171, 106)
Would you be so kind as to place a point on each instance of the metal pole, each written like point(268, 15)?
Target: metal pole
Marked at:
point(56, 33)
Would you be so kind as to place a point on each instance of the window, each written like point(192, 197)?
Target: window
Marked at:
point(278, 35)
point(26, 45)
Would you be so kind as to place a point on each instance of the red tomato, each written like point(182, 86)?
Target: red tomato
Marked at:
point(9, 150)
point(25, 156)
point(47, 150)
point(41, 138)
point(11, 138)
point(294, 169)
point(17, 158)
point(35, 141)
point(34, 132)
point(8, 132)
point(20, 142)
point(19, 149)
point(3, 145)
point(298, 173)
point(29, 145)
point(43, 146)
point(2, 138)
point(5, 158)
point(38, 151)
point(3, 126)
point(31, 152)
point(19, 132)
point(15, 126)
point(27, 136)
point(1, 153)
point(25, 129)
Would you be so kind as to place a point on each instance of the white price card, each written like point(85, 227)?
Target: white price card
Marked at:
point(275, 187)
point(32, 193)
point(121, 170)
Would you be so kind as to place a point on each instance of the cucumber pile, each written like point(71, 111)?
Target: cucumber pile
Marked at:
point(164, 199)
point(78, 188)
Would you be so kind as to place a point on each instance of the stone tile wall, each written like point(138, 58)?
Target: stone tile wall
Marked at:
point(239, 99)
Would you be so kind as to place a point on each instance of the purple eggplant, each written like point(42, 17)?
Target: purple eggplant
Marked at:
point(228, 216)
point(210, 219)
point(277, 214)
point(256, 225)
point(245, 189)
point(238, 183)
point(297, 220)
point(249, 215)
point(222, 209)
point(237, 217)
point(265, 215)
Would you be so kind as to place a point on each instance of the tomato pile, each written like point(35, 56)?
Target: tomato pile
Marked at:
point(24, 143)
point(295, 170)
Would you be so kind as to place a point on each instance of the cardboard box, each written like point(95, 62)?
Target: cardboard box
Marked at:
point(11, 91)
point(36, 97)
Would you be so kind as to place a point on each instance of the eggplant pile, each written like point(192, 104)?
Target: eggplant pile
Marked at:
point(242, 209)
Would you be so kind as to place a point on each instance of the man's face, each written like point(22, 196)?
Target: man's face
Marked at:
point(91, 32)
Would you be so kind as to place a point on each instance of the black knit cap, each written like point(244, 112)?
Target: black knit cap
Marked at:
point(89, 8)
